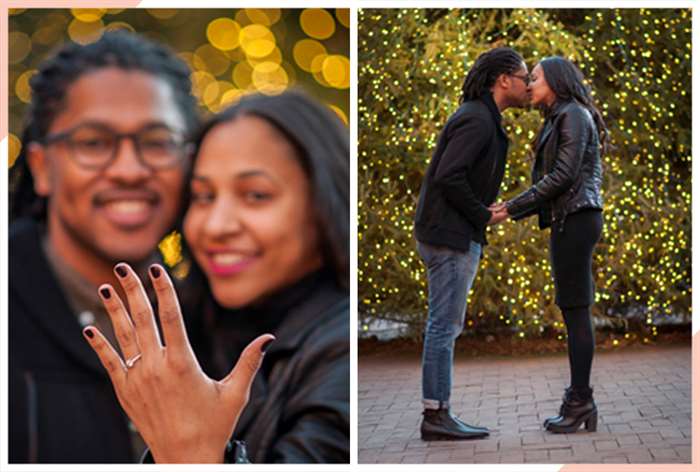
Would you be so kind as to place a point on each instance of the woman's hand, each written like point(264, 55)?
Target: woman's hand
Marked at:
point(183, 415)
point(499, 213)
point(497, 207)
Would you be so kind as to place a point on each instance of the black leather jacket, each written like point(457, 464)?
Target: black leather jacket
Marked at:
point(567, 174)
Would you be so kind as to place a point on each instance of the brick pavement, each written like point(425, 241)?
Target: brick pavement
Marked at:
point(643, 397)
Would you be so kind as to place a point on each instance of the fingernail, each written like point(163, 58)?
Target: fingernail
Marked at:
point(105, 293)
point(265, 345)
point(155, 272)
point(121, 271)
point(89, 333)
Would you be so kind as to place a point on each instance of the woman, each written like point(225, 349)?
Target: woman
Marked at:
point(567, 177)
point(268, 225)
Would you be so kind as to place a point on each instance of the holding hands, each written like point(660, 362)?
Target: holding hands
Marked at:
point(499, 213)
point(183, 415)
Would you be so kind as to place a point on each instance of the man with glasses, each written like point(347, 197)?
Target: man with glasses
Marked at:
point(461, 183)
point(99, 181)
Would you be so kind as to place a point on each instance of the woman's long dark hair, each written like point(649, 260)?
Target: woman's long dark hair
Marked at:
point(567, 82)
point(486, 69)
point(322, 145)
point(49, 86)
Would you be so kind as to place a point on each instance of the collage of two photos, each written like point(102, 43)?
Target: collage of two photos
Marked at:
point(179, 198)
point(183, 248)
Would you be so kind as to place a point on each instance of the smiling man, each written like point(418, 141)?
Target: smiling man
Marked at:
point(99, 181)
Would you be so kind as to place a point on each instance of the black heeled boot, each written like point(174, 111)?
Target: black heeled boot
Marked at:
point(567, 392)
point(442, 425)
point(577, 408)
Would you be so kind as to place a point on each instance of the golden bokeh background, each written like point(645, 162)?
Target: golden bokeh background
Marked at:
point(230, 52)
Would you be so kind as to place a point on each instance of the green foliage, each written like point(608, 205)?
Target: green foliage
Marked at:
point(411, 67)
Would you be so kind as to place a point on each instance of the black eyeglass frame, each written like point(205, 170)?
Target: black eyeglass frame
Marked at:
point(183, 149)
point(525, 78)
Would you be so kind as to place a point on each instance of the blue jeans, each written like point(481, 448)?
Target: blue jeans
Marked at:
point(450, 277)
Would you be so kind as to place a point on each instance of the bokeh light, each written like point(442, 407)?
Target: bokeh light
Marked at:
point(84, 33)
point(267, 17)
point(257, 40)
point(201, 81)
point(274, 56)
point(210, 59)
point(336, 71)
point(317, 23)
point(343, 15)
point(340, 113)
point(119, 26)
point(270, 78)
point(162, 13)
point(14, 147)
point(88, 15)
point(305, 51)
point(242, 75)
point(49, 29)
point(230, 52)
point(223, 33)
point(20, 46)
point(22, 89)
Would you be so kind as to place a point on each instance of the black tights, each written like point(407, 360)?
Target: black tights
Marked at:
point(581, 344)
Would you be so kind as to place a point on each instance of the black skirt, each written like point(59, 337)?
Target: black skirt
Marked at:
point(571, 256)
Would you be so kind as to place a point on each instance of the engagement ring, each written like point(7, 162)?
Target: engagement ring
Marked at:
point(130, 362)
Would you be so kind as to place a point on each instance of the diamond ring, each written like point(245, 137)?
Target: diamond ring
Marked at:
point(130, 362)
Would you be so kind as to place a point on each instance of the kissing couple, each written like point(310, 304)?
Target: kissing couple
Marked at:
point(458, 201)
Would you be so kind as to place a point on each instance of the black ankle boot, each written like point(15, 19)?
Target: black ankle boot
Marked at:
point(442, 425)
point(567, 393)
point(577, 408)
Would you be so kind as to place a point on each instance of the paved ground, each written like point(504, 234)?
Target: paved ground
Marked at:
point(643, 397)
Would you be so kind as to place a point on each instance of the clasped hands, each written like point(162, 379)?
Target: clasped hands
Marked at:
point(499, 213)
point(183, 415)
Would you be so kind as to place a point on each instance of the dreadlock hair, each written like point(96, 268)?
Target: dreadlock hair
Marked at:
point(486, 69)
point(121, 49)
point(567, 82)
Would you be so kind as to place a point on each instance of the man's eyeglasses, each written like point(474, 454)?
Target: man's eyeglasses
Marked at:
point(525, 78)
point(95, 146)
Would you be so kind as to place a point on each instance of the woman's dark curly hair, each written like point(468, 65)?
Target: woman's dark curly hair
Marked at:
point(50, 85)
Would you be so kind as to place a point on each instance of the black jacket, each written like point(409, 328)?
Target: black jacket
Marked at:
point(299, 408)
point(567, 174)
point(463, 177)
point(62, 407)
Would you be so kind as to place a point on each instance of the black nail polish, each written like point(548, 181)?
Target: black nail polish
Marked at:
point(121, 271)
point(105, 293)
point(89, 333)
point(266, 345)
point(155, 272)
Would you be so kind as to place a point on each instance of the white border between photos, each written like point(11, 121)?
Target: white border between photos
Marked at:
point(353, 5)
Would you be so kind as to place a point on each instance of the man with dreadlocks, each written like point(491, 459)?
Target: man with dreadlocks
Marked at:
point(99, 181)
point(461, 182)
